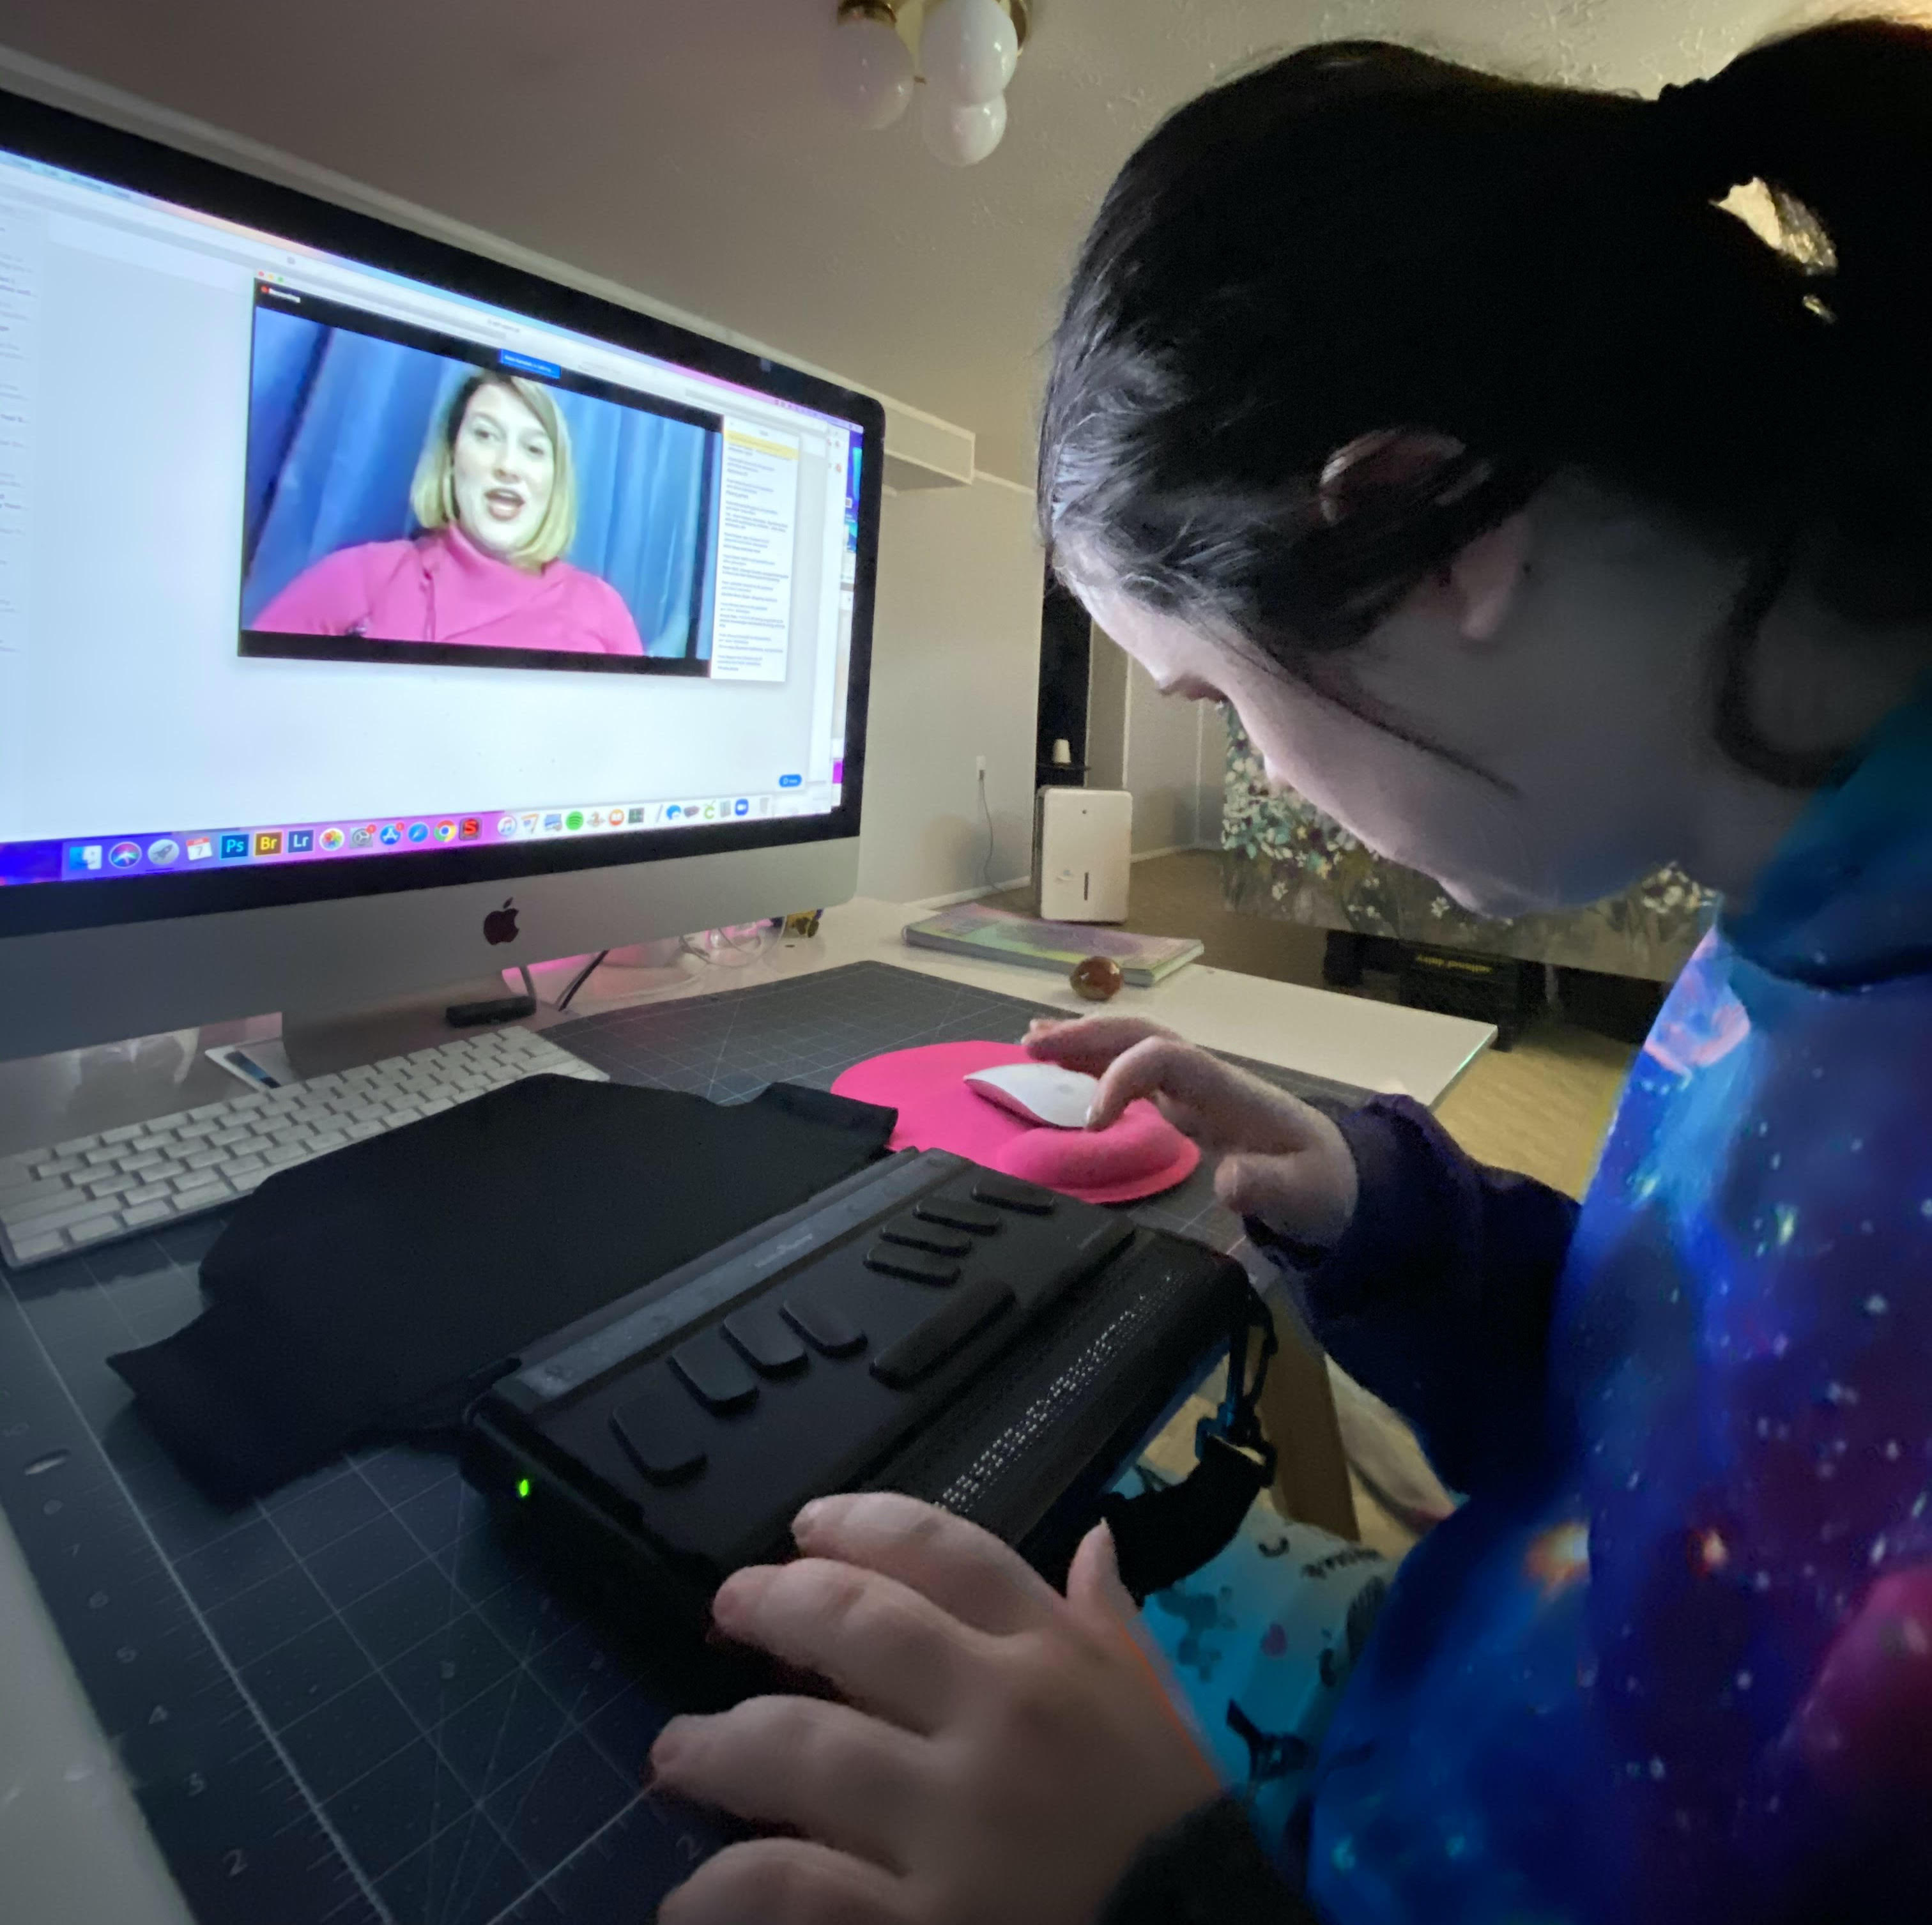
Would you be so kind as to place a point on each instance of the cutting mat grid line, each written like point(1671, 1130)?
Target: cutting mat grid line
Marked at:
point(347, 1702)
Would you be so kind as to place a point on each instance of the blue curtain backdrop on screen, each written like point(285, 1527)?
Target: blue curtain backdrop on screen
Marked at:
point(337, 420)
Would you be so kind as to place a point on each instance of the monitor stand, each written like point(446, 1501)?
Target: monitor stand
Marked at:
point(297, 1045)
point(45, 1100)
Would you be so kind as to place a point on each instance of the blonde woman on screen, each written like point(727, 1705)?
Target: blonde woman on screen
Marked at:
point(495, 495)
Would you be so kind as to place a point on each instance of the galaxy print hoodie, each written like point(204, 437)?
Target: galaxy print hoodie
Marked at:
point(1672, 1660)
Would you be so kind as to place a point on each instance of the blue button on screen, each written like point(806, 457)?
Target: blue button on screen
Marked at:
point(790, 781)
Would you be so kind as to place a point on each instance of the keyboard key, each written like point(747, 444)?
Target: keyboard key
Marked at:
point(947, 1331)
point(75, 1145)
point(143, 1214)
point(31, 1249)
point(915, 1266)
point(204, 1159)
point(714, 1372)
point(942, 1243)
point(95, 1228)
point(957, 1215)
point(236, 1166)
point(1008, 1193)
point(114, 1186)
point(32, 1199)
point(823, 1325)
point(765, 1339)
point(56, 1215)
point(126, 1134)
point(661, 1439)
point(147, 1193)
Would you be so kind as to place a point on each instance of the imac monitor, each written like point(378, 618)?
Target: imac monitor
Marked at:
point(373, 613)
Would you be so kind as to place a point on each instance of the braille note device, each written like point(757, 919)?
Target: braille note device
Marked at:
point(926, 1325)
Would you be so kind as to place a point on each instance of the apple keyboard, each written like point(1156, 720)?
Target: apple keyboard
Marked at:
point(123, 1183)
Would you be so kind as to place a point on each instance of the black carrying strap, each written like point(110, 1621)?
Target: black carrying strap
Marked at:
point(1164, 1535)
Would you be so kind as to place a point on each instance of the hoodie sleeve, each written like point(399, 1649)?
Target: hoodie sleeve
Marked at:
point(1208, 1870)
point(1438, 1297)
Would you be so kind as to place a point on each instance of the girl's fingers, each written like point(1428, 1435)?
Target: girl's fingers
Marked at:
point(1225, 1106)
point(785, 1882)
point(964, 1570)
point(1088, 1043)
point(884, 1645)
point(823, 1770)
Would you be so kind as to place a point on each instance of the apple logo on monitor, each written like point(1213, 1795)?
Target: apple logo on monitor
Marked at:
point(500, 925)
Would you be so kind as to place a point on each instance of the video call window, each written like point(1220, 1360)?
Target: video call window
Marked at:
point(412, 497)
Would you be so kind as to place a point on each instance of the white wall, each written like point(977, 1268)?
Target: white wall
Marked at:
point(1162, 764)
point(955, 673)
point(1211, 776)
point(1167, 753)
point(1107, 699)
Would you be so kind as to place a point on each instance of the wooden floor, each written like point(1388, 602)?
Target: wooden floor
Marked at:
point(1542, 1108)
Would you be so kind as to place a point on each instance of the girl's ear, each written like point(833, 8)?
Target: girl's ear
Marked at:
point(1485, 577)
point(1478, 588)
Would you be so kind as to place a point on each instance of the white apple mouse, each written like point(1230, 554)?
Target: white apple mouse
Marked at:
point(1038, 1092)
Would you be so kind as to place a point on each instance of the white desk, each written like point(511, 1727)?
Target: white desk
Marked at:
point(1377, 1046)
point(73, 1849)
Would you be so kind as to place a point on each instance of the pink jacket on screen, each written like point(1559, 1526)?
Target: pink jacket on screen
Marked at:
point(443, 588)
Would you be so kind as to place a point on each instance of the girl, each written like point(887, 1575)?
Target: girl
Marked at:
point(1543, 521)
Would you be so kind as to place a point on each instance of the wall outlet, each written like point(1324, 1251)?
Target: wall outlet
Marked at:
point(980, 766)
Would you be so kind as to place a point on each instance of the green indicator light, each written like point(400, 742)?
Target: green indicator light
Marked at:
point(522, 1487)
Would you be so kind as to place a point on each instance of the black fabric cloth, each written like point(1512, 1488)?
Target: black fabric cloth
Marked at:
point(1209, 1869)
point(377, 1290)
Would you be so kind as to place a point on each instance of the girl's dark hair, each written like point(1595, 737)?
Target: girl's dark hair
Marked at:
point(1361, 237)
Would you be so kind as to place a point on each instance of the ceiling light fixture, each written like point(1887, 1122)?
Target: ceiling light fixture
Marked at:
point(967, 50)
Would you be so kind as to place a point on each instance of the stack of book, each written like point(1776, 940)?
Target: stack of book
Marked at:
point(998, 935)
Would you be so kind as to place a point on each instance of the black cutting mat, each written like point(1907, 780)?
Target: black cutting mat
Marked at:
point(347, 1703)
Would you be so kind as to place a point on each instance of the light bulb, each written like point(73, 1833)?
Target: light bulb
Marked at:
point(968, 50)
point(869, 69)
point(960, 136)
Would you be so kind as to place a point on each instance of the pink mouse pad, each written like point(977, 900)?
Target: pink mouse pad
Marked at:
point(1139, 1155)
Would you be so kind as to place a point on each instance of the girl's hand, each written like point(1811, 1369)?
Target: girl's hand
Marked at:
point(1000, 1754)
point(1281, 1160)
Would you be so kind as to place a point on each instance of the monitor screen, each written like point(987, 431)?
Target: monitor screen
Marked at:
point(335, 560)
